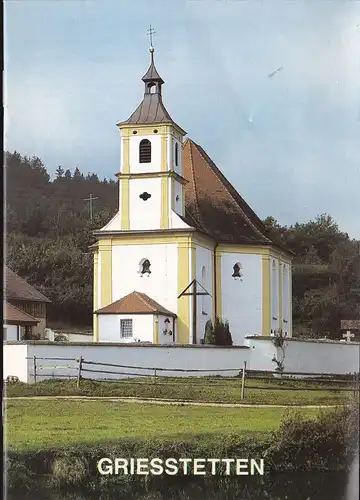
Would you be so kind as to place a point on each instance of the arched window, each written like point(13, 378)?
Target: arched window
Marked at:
point(145, 151)
point(145, 267)
point(237, 274)
point(152, 88)
point(203, 283)
point(176, 154)
point(274, 291)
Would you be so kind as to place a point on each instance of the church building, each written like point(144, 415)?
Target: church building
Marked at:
point(184, 246)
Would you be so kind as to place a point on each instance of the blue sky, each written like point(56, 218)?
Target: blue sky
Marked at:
point(289, 143)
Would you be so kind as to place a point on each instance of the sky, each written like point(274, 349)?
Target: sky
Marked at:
point(289, 143)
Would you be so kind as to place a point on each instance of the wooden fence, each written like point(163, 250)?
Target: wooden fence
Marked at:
point(82, 369)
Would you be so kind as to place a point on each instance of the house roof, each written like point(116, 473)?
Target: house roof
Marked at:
point(350, 324)
point(212, 204)
point(135, 303)
point(17, 288)
point(13, 316)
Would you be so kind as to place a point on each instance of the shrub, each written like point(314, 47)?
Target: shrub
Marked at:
point(209, 333)
point(219, 334)
point(70, 470)
point(326, 443)
point(18, 475)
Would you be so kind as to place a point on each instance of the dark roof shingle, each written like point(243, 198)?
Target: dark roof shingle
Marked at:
point(214, 204)
point(13, 316)
point(17, 288)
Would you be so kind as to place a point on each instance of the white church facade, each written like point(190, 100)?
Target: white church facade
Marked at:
point(181, 227)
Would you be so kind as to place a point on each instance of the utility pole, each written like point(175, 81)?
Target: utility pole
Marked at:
point(90, 200)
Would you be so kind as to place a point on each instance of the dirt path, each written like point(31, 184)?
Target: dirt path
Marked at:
point(159, 402)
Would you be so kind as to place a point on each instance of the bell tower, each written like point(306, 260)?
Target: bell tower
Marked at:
point(151, 185)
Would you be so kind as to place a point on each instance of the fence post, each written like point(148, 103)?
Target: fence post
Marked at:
point(34, 369)
point(79, 372)
point(243, 381)
point(155, 375)
point(354, 384)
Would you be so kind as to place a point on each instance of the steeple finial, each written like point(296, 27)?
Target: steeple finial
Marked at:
point(150, 33)
point(152, 79)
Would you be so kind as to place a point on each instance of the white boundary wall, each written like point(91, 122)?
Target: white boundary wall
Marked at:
point(302, 356)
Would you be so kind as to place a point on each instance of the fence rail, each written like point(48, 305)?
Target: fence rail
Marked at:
point(342, 383)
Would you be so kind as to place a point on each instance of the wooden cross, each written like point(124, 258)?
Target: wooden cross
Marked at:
point(90, 200)
point(348, 336)
point(150, 33)
point(194, 295)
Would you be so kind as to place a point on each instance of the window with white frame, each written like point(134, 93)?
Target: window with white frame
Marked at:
point(126, 328)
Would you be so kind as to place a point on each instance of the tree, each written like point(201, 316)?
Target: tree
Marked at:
point(209, 333)
point(59, 172)
point(219, 334)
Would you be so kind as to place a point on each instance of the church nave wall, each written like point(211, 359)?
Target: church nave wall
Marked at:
point(162, 282)
point(241, 294)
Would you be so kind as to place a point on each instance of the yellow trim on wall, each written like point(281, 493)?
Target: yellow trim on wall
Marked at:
point(280, 281)
point(266, 296)
point(184, 278)
point(254, 249)
point(164, 158)
point(169, 128)
point(291, 303)
point(164, 218)
point(125, 203)
point(95, 328)
point(150, 175)
point(125, 167)
point(106, 273)
point(95, 296)
point(172, 185)
point(204, 241)
point(155, 328)
point(146, 239)
point(245, 249)
point(218, 311)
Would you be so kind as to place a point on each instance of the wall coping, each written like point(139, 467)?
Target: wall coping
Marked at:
point(294, 339)
point(119, 344)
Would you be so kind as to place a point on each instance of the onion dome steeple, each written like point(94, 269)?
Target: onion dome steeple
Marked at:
point(151, 110)
point(152, 79)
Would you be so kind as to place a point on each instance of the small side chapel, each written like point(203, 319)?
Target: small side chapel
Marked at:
point(184, 245)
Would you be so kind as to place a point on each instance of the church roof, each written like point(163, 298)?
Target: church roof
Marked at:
point(150, 110)
point(13, 316)
point(135, 303)
point(17, 288)
point(212, 204)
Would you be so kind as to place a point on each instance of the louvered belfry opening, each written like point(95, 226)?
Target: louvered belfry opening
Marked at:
point(145, 151)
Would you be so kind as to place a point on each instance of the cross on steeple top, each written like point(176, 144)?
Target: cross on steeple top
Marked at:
point(150, 32)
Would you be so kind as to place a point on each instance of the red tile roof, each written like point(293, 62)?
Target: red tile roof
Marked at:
point(213, 205)
point(17, 288)
point(13, 316)
point(135, 303)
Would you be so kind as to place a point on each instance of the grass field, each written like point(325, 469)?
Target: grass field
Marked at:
point(195, 389)
point(33, 424)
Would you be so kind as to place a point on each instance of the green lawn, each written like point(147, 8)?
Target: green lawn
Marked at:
point(194, 389)
point(34, 424)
